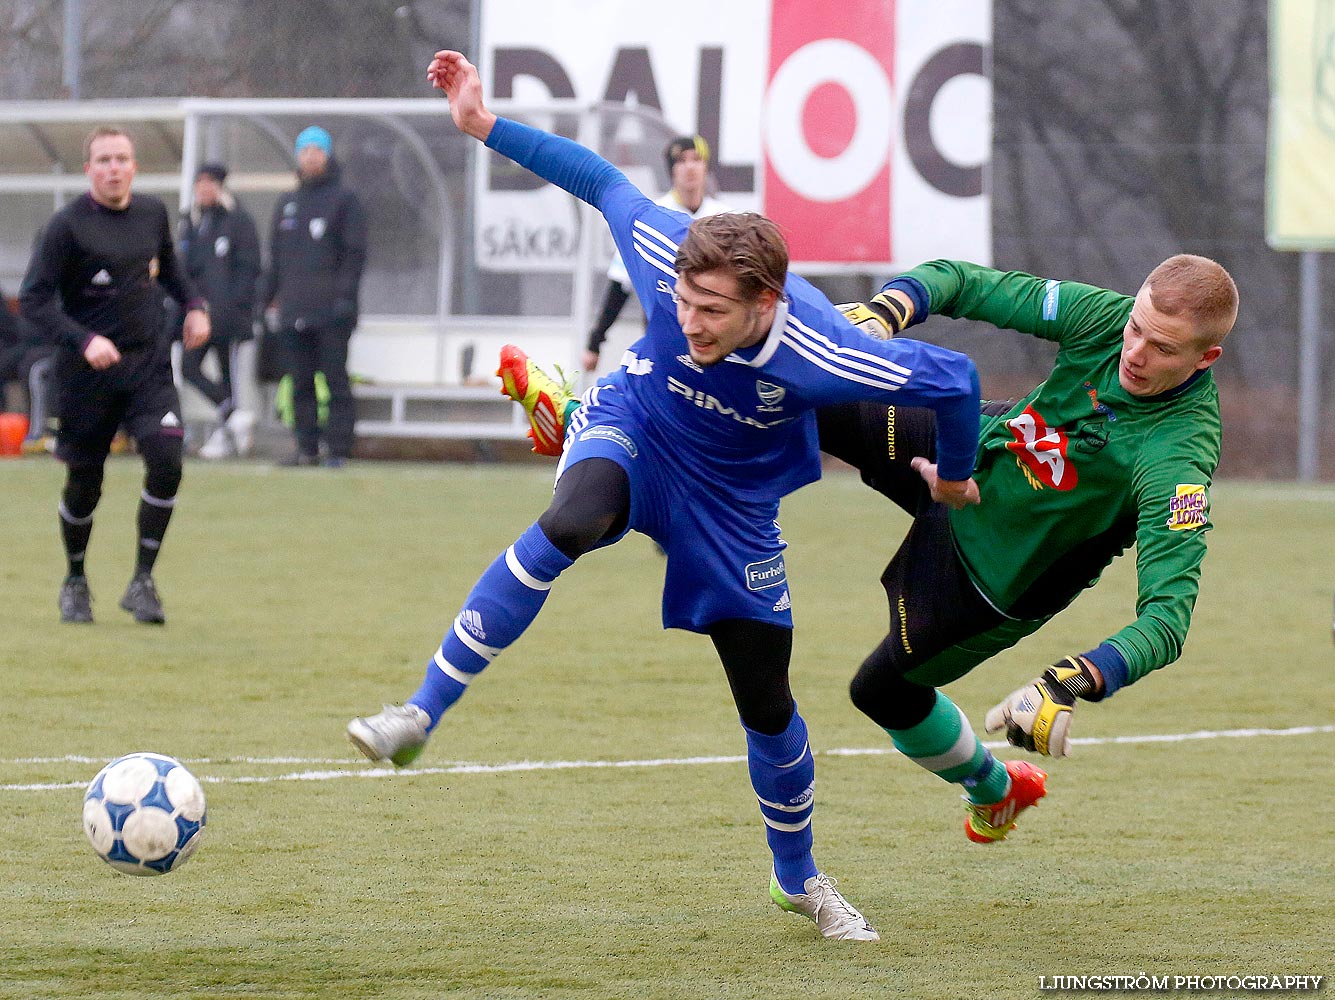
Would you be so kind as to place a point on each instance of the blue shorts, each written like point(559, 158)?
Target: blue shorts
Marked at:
point(724, 554)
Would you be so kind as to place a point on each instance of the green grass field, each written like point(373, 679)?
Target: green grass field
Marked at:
point(298, 599)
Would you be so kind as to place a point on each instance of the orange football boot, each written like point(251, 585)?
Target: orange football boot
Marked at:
point(990, 822)
point(544, 400)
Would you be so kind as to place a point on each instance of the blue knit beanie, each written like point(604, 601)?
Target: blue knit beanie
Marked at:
point(313, 135)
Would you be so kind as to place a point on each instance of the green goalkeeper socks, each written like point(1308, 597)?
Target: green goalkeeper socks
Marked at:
point(945, 744)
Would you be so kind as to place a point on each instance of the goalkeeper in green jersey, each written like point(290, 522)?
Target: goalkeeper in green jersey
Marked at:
point(1117, 446)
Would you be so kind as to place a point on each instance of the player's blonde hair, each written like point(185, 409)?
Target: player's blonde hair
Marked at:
point(746, 244)
point(1199, 288)
point(102, 132)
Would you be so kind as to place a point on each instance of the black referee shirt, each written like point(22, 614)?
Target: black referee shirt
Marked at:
point(98, 270)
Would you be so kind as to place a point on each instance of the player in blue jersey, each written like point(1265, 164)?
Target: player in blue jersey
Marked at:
point(693, 441)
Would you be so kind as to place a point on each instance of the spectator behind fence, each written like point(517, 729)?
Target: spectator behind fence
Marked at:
point(221, 249)
point(96, 285)
point(317, 250)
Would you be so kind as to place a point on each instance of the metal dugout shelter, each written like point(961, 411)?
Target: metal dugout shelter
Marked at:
point(431, 321)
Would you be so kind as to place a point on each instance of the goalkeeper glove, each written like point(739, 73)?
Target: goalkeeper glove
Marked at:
point(1038, 716)
point(882, 317)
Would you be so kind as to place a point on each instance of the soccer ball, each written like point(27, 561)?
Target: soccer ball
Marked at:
point(144, 814)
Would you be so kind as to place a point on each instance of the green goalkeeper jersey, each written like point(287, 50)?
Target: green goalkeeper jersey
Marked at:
point(1080, 469)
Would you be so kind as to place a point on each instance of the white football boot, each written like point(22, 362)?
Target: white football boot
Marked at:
point(835, 917)
point(396, 734)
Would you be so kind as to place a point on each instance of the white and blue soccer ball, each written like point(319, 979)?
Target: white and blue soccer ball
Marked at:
point(144, 814)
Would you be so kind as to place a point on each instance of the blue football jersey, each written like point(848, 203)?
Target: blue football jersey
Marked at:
point(748, 422)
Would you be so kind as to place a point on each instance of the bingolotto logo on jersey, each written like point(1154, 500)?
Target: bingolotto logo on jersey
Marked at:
point(1189, 508)
point(862, 127)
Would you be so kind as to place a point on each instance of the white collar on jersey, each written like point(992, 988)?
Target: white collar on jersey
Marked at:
point(771, 342)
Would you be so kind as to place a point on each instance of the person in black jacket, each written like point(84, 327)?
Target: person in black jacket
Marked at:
point(11, 343)
point(317, 249)
point(95, 285)
point(221, 249)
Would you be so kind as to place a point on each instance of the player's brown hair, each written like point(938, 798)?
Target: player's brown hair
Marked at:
point(746, 244)
point(101, 132)
point(1198, 287)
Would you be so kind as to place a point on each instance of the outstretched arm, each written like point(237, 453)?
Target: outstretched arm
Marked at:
point(888, 314)
point(554, 158)
point(451, 72)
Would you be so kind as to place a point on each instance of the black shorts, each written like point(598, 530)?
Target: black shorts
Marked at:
point(941, 627)
point(137, 392)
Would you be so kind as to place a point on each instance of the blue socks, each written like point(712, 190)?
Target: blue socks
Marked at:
point(501, 605)
point(783, 774)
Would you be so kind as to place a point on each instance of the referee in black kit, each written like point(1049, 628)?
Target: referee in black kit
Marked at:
point(96, 286)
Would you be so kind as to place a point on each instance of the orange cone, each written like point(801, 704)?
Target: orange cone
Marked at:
point(13, 429)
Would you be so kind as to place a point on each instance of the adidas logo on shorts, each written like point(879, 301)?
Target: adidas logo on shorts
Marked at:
point(785, 603)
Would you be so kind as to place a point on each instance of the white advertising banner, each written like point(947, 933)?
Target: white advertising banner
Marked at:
point(863, 128)
point(1300, 181)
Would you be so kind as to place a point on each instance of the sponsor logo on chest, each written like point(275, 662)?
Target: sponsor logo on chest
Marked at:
point(711, 403)
point(1041, 451)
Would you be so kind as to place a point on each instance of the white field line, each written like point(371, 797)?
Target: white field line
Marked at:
point(571, 765)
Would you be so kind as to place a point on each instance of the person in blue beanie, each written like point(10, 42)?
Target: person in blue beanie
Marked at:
point(317, 250)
